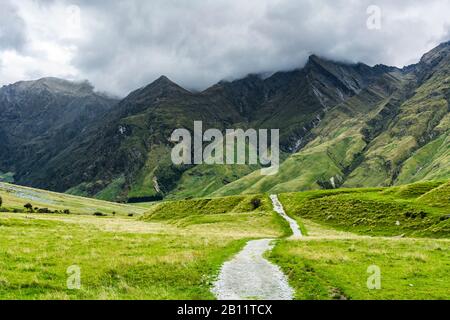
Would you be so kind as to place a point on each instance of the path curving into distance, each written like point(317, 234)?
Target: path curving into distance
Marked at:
point(278, 207)
point(249, 276)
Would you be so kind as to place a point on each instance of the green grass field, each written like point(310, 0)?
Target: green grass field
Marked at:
point(415, 210)
point(174, 249)
point(15, 197)
point(349, 230)
point(155, 256)
point(334, 265)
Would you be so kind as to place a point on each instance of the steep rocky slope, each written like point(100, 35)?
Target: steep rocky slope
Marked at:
point(394, 131)
point(340, 125)
point(40, 118)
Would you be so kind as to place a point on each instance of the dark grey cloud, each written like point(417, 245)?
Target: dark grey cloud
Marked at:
point(123, 45)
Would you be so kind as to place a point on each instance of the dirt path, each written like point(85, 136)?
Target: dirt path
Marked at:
point(278, 207)
point(250, 276)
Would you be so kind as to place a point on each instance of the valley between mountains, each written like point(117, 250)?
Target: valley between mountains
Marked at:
point(341, 125)
point(359, 209)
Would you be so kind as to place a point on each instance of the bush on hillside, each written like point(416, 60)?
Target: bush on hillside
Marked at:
point(256, 203)
point(44, 210)
point(100, 214)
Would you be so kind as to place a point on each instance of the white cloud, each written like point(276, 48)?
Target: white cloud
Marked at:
point(122, 45)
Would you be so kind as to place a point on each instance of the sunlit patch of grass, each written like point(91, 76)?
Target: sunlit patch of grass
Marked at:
point(176, 257)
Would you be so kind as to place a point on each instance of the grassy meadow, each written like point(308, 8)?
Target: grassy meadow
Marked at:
point(335, 265)
point(174, 249)
point(15, 197)
point(152, 256)
point(416, 210)
point(405, 231)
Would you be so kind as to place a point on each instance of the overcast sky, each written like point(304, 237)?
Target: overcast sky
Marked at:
point(122, 45)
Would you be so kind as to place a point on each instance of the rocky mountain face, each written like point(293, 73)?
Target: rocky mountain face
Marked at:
point(340, 125)
point(39, 119)
point(393, 131)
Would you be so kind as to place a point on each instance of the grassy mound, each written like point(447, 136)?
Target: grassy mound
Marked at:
point(413, 190)
point(439, 197)
point(409, 210)
point(185, 208)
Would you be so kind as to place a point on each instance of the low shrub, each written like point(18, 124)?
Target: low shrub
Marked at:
point(256, 203)
point(44, 210)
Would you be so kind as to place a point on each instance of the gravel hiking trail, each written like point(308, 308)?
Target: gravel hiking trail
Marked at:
point(249, 276)
point(278, 207)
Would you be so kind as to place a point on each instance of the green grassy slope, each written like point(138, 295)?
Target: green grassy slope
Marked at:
point(175, 249)
point(432, 161)
point(395, 131)
point(438, 197)
point(173, 252)
point(336, 149)
point(204, 179)
point(15, 197)
point(236, 210)
point(336, 258)
point(419, 131)
point(380, 212)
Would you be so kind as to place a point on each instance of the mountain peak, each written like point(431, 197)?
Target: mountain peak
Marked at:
point(161, 87)
point(164, 82)
point(434, 56)
point(315, 59)
point(163, 79)
point(55, 85)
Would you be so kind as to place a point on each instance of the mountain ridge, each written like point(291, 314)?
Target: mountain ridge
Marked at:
point(123, 153)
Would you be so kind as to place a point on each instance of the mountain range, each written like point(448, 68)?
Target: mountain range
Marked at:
point(341, 125)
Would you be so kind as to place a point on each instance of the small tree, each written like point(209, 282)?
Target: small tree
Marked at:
point(29, 207)
point(1, 201)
